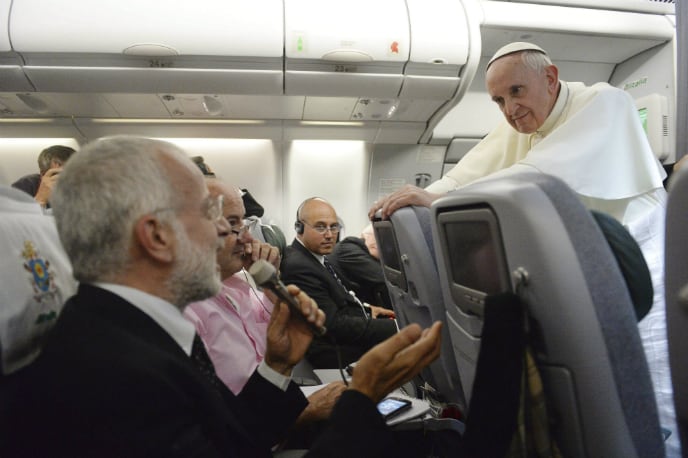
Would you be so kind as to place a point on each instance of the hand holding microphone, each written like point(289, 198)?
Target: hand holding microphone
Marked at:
point(265, 276)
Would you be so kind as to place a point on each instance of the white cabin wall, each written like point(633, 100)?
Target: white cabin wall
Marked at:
point(279, 175)
point(336, 170)
point(652, 72)
point(394, 166)
point(253, 164)
point(18, 156)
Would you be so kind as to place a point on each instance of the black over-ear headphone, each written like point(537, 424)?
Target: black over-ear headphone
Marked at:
point(298, 225)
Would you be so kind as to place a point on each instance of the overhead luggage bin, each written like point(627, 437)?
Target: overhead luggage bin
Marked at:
point(439, 49)
point(153, 46)
point(357, 48)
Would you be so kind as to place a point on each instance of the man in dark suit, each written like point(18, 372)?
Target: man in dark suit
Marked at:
point(352, 326)
point(121, 374)
point(357, 258)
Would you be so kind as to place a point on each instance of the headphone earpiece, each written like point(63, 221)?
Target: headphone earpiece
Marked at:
point(298, 227)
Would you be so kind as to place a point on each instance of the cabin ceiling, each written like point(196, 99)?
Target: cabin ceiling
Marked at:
point(406, 114)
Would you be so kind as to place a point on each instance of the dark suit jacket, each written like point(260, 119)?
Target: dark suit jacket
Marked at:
point(362, 270)
point(354, 333)
point(111, 382)
point(28, 183)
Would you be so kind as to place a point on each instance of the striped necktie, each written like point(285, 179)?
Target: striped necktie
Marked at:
point(332, 272)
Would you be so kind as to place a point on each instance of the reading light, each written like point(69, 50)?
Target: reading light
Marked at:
point(212, 106)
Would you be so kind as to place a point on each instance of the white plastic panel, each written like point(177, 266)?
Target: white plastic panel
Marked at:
point(5, 44)
point(429, 87)
point(39, 104)
point(649, 6)
point(439, 49)
point(132, 80)
point(581, 21)
point(199, 27)
point(356, 29)
point(95, 128)
point(219, 106)
point(363, 131)
point(439, 32)
point(342, 84)
point(400, 132)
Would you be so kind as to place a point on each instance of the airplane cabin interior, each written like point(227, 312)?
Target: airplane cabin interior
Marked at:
point(352, 101)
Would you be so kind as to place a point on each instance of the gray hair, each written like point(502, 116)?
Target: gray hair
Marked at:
point(535, 60)
point(103, 190)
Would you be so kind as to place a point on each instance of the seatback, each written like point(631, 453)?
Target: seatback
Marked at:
point(268, 233)
point(529, 234)
point(676, 272)
point(36, 278)
point(405, 245)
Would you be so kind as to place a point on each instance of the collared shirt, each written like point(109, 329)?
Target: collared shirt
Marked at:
point(169, 317)
point(319, 257)
point(233, 325)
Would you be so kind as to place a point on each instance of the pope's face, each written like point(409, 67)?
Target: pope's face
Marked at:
point(525, 97)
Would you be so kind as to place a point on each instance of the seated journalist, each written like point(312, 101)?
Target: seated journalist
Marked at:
point(233, 324)
point(353, 327)
point(358, 259)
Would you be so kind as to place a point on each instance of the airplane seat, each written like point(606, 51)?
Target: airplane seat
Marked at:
point(268, 233)
point(275, 237)
point(528, 234)
point(408, 261)
point(676, 284)
point(37, 278)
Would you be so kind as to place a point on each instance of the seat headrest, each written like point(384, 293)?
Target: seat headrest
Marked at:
point(630, 260)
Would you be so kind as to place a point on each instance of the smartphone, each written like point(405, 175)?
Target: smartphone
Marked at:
point(391, 407)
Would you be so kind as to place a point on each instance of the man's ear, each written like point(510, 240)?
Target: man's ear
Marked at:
point(156, 238)
point(552, 75)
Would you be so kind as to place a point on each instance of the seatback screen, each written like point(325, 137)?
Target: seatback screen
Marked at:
point(473, 258)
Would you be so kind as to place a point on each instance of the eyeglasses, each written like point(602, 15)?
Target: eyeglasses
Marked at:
point(237, 226)
point(322, 228)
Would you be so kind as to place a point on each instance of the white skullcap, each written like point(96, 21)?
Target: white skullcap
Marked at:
point(511, 48)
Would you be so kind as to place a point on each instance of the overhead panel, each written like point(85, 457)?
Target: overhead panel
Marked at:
point(600, 36)
point(439, 32)
point(646, 6)
point(356, 48)
point(223, 106)
point(152, 46)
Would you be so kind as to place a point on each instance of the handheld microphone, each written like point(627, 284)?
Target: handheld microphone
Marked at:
point(265, 276)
